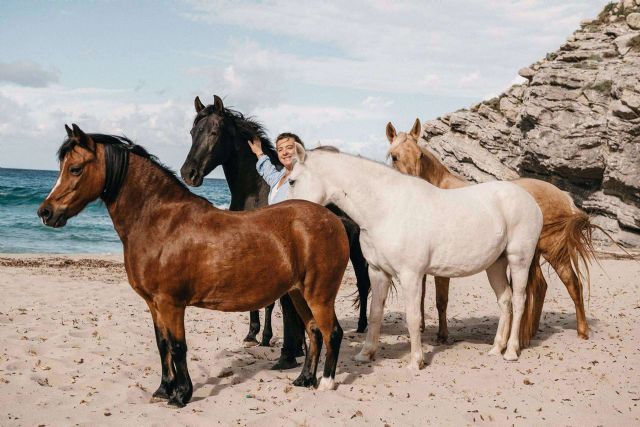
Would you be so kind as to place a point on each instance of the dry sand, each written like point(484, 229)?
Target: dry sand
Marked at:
point(77, 347)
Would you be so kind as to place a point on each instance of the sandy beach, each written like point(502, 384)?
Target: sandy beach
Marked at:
point(77, 348)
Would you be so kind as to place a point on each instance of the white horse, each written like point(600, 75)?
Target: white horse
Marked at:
point(410, 228)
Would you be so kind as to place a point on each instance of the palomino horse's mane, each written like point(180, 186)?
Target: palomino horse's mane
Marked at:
point(246, 127)
point(117, 149)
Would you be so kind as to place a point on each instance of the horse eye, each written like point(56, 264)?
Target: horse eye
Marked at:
point(394, 158)
point(75, 170)
point(292, 183)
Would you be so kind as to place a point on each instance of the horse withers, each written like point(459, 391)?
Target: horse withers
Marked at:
point(181, 251)
point(411, 228)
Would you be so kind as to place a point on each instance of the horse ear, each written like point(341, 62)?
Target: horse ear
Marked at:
point(301, 154)
point(69, 131)
point(83, 139)
point(391, 132)
point(217, 103)
point(416, 130)
point(198, 104)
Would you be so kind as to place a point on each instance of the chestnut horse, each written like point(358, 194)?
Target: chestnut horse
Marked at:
point(181, 251)
point(565, 241)
point(219, 138)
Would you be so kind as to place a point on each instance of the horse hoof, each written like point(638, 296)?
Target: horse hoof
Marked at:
point(416, 365)
point(177, 401)
point(326, 384)
point(249, 343)
point(510, 355)
point(304, 381)
point(265, 342)
point(442, 340)
point(160, 394)
point(495, 351)
point(583, 335)
point(363, 357)
point(285, 363)
point(361, 329)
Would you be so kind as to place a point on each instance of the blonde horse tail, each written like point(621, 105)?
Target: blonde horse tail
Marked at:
point(535, 293)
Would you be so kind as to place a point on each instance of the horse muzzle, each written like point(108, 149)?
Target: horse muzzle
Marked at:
point(191, 176)
point(52, 218)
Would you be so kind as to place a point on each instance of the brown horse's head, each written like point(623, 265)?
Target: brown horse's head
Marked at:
point(81, 179)
point(404, 151)
point(206, 146)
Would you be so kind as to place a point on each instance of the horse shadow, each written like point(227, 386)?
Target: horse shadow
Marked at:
point(474, 330)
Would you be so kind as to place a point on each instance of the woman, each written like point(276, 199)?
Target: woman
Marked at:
point(279, 184)
point(277, 179)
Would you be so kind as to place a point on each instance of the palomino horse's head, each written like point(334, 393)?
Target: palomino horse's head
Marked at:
point(81, 179)
point(306, 183)
point(207, 151)
point(404, 151)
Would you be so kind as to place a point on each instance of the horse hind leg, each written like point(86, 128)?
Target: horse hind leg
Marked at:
point(572, 283)
point(267, 331)
point(519, 274)
point(497, 275)
point(307, 376)
point(254, 327)
point(411, 284)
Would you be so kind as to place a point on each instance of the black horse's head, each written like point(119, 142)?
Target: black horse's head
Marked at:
point(207, 142)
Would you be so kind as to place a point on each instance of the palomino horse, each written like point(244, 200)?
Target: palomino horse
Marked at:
point(410, 228)
point(565, 241)
point(219, 137)
point(181, 251)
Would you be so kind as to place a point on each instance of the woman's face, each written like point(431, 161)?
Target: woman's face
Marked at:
point(286, 148)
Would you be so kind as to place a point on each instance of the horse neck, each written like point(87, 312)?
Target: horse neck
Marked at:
point(146, 189)
point(432, 170)
point(248, 189)
point(353, 190)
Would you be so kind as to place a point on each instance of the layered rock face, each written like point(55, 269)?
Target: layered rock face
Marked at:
point(575, 123)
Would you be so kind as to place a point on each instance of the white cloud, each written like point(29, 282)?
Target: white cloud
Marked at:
point(27, 73)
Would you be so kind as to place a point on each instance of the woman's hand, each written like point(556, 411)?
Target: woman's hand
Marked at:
point(256, 146)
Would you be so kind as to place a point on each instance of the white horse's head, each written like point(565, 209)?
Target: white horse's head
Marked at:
point(306, 183)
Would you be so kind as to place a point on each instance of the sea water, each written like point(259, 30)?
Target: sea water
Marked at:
point(21, 230)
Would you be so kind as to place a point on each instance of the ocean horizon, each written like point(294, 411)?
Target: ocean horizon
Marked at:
point(22, 231)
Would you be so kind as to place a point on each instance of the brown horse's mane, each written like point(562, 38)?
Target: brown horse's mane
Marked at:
point(117, 149)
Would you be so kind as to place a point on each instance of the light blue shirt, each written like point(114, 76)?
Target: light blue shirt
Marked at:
point(272, 176)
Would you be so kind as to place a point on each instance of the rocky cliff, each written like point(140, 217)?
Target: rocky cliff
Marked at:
point(575, 122)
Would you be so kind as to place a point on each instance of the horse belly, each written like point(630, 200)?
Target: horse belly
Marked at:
point(465, 253)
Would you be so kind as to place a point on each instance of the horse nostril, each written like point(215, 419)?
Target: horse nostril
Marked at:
point(44, 212)
point(193, 174)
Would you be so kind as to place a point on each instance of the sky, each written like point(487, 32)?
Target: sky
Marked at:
point(334, 72)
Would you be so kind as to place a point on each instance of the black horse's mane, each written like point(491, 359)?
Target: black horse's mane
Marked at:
point(246, 127)
point(115, 165)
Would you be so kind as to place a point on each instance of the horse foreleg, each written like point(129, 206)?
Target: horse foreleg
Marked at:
point(254, 327)
point(166, 381)
point(497, 275)
point(267, 332)
point(519, 274)
point(293, 331)
point(442, 301)
point(380, 282)
point(171, 321)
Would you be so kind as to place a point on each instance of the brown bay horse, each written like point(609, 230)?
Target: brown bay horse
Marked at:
point(565, 241)
point(181, 251)
point(219, 137)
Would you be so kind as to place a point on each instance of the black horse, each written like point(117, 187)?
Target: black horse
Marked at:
point(219, 137)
